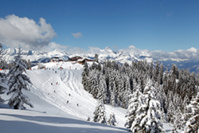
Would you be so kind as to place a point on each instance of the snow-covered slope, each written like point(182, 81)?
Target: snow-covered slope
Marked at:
point(59, 86)
point(17, 121)
point(60, 104)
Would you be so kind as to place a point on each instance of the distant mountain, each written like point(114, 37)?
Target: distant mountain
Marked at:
point(182, 58)
point(33, 56)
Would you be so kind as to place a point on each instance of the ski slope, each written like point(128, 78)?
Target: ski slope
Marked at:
point(57, 86)
point(58, 94)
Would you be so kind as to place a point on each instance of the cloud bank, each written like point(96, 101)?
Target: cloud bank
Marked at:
point(15, 31)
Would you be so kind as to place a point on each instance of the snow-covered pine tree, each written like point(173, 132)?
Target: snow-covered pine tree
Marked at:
point(102, 93)
point(160, 76)
point(127, 91)
point(29, 64)
point(171, 108)
point(112, 120)
point(93, 83)
point(119, 89)
point(99, 113)
point(147, 119)
point(157, 70)
point(18, 81)
point(178, 119)
point(96, 58)
point(85, 76)
point(134, 105)
point(192, 116)
point(161, 97)
point(151, 71)
point(2, 78)
point(185, 103)
point(3, 86)
point(113, 95)
point(192, 125)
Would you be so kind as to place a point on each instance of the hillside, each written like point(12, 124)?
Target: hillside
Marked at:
point(51, 90)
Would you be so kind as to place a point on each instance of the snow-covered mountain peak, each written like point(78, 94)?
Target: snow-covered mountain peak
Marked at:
point(192, 49)
point(108, 50)
point(132, 47)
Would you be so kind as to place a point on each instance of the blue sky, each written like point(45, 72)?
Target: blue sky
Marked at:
point(165, 25)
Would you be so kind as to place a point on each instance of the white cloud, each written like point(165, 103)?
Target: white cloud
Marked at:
point(15, 31)
point(77, 35)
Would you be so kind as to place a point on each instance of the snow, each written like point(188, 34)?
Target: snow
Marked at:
point(52, 88)
point(17, 121)
point(186, 58)
point(192, 49)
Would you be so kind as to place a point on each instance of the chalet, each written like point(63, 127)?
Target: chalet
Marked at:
point(79, 59)
point(82, 61)
point(75, 58)
point(56, 59)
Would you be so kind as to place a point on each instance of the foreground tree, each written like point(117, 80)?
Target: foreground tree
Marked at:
point(3, 86)
point(147, 115)
point(18, 81)
point(99, 113)
point(2, 78)
point(133, 108)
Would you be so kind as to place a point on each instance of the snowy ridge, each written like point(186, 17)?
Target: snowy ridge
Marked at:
point(33, 56)
point(183, 58)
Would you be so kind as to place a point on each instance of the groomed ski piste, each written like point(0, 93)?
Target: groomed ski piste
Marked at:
point(60, 104)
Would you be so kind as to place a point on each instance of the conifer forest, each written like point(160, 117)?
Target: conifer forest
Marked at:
point(150, 93)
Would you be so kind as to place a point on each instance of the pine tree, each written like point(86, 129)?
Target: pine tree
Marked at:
point(156, 71)
point(178, 119)
point(170, 112)
point(151, 70)
point(133, 108)
point(85, 76)
point(192, 116)
point(96, 58)
point(29, 64)
point(161, 74)
point(102, 93)
point(147, 118)
point(17, 82)
point(112, 120)
point(93, 83)
point(3, 86)
point(113, 95)
point(99, 113)
point(192, 125)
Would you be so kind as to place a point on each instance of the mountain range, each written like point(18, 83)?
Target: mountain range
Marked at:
point(188, 59)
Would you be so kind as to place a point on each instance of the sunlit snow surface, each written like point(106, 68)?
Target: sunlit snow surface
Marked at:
point(15, 121)
point(60, 104)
